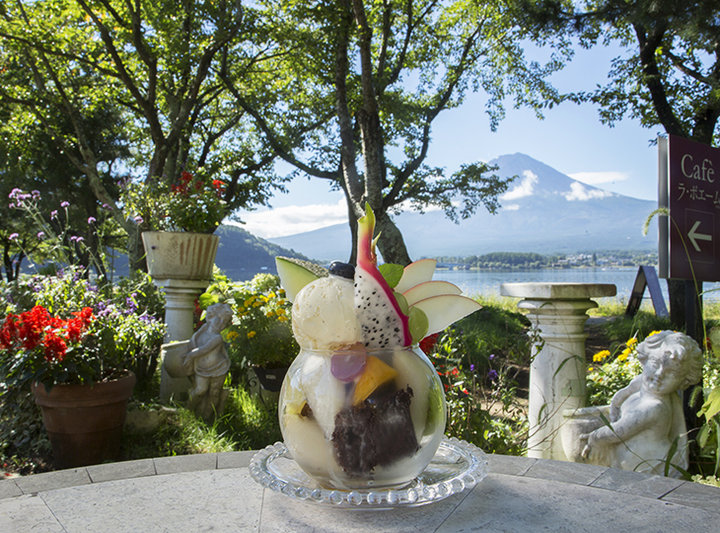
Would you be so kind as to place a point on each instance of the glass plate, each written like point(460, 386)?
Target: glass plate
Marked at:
point(457, 465)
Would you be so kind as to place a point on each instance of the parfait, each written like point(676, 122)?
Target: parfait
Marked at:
point(362, 406)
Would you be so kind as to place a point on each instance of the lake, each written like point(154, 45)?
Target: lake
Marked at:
point(487, 283)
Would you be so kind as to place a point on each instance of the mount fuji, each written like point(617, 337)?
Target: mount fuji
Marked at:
point(543, 211)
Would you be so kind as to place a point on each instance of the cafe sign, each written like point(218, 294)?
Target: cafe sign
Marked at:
point(689, 187)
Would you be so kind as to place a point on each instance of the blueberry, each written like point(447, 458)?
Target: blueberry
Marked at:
point(344, 270)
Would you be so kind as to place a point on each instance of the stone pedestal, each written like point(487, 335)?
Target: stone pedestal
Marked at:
point(179, 308)
point(557, 370)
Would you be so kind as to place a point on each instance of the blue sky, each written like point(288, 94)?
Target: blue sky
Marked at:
point(570, 139)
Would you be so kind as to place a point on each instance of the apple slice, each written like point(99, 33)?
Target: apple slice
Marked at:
point(296, 273)
point(444, 309)
point(415, 273)
point(428, 289)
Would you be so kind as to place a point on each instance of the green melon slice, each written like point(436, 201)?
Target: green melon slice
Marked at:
point(445, 309)
point(296, 273)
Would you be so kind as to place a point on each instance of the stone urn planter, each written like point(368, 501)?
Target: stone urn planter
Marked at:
point(180, 255)
point(85, 422)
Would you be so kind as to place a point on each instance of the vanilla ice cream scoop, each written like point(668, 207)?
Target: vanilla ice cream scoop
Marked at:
point(323, 314)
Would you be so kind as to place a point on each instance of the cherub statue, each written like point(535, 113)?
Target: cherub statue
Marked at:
point(646, 417)
point(209, 362)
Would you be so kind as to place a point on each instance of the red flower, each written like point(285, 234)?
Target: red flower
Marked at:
point(55, 347)
point(38, 328)
point(427, 344)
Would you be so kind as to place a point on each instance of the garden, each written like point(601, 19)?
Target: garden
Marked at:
point(65, 325)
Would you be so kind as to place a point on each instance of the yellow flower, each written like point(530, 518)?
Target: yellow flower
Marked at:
point(251, 334)
point(271, 295)
point(269, 314)
point(631, 342)
point(232, 335)
point(282, 318)
point(601, 356)
point(624, 355)
point(590, 369)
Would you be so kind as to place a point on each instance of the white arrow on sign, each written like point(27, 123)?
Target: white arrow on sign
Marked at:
point(694, 236)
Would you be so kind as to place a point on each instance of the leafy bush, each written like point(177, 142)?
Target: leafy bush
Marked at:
point(133, 333)
point(481, 395)
point(260, 333)
point(611, 372)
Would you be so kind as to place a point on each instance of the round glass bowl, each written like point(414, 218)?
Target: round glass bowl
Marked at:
point(362, 419)
point(456, 466)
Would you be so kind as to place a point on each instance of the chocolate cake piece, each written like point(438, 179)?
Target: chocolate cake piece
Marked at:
point(374, 433)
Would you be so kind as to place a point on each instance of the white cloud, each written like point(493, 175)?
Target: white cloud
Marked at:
point(511, 207)
point(293, 219)
point(597, 178)
point(579, 193)
point(522, 189)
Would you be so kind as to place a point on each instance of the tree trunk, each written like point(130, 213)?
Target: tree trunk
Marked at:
point(391, 244)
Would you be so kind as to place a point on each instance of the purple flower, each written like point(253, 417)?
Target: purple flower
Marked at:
point(492, 374)
point(472, 367)
point(53, 213)
point(41, 235)
point(131, 305)
point(13, 236)
point(138, 219)
point(492, 356)
point(92, 220)
point(12, 206)
point(36, 194)
point(64, 204)
point(106, 206)
point(14, 192)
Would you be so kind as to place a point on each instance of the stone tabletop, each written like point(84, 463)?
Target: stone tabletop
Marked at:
point(558, 291)
point(214, 492)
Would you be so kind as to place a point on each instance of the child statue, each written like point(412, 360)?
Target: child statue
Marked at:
point(646, 418)
point(209, 362)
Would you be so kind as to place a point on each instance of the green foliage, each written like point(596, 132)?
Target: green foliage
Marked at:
point(193, 203)
point(640, 326)
point(369, 79)
point(482, 406)
point(493, 330)
point(246, 424)
point(611, 372)
point(129, 335)
point(668, 71)
point(260, 332)
point(475, 361)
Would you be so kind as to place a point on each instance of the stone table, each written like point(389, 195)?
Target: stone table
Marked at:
point(214, 492)
point(557, 312)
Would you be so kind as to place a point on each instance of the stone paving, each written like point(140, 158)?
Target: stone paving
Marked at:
point(215, 492)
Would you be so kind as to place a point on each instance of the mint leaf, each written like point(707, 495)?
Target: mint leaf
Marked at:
point(418, 324)
point(391, 272)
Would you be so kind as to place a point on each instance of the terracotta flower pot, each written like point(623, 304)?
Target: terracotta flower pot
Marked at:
point(180, 255)
point(84, 422)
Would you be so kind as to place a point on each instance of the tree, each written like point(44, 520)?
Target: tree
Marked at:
point(156, 63)
point(373, 76)
point(668, 77)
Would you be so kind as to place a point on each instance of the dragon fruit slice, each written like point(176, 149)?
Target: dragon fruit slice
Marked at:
point(382, 322)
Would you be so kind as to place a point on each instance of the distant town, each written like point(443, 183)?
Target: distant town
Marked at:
point(532, 261)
